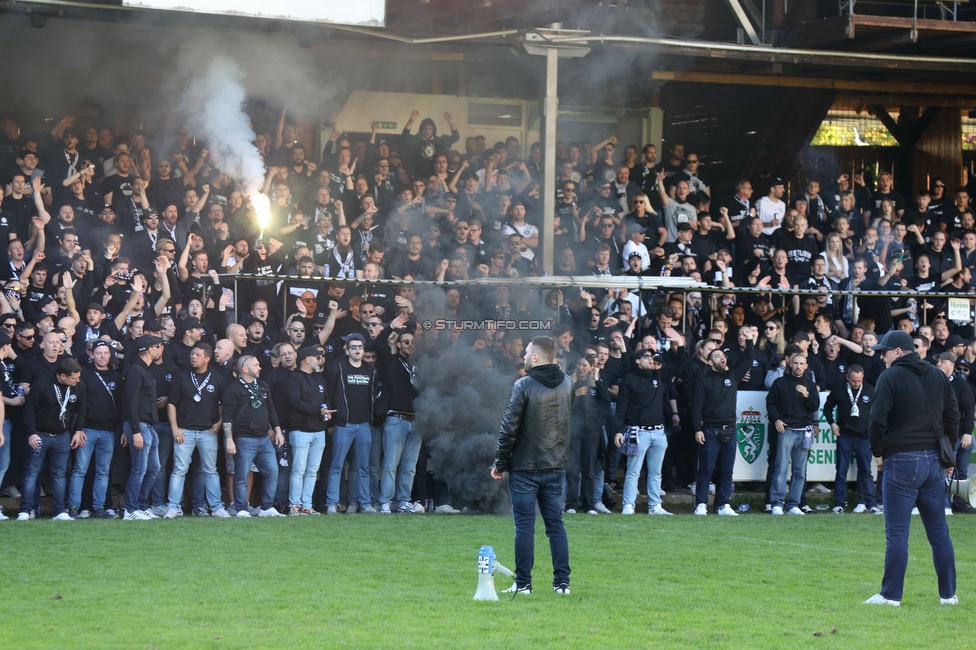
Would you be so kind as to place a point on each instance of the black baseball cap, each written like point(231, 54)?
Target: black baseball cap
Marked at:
point(895, 339)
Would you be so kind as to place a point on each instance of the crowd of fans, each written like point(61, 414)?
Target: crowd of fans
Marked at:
point(117, 293)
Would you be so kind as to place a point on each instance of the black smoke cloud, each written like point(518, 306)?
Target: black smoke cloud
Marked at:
point(459, 412)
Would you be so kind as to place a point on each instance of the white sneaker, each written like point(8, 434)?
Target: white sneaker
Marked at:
point(418, 506)
point(352, 508)
point(220, 513)
point(135, 515)
point(796, 511)
point(524, 590)
point(767, 508)
point(727, 511)
point(64, 516)
point(84, 514)
point(592, 512)
point(385, 509)
point(839, 510)
point(243, 514)
point(777, 510)
point(948, 512)
point(331, 510)
point(628, 510)
point(820, 488)
point(692, 488)
point(878, 599)
point(711, 488)
point(658, 510)
point(368, 510)
point(447, 509)
point(807, 509)
point(270, 512)
point(172, 513)
point(914, 511)
point(877, 510)
point(562, 589)
point(949, 601)
point(3, 517)
point(570, 511)
point(859, 508)
point(149, 514)
point(23, 516)
point(701, 509)
point(602, 509)
point(662, 493)
point(158, 511)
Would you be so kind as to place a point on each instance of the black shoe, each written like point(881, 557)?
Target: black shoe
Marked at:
point(73, 512)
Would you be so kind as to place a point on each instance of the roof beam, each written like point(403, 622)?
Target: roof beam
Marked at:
point(740, 15)
point(805, 82)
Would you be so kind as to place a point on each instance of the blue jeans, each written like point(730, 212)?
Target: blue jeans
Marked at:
point(56, 449)
point(861, 449)
point(915, 478)
point(306, 457)
point(375, 458)
point(5, 448)
point(651, 448)
point(261, 452)
point(545, 489)
point(709, 454)
point(344, 438)
point(790, 451)
point(101, 444)
point(145, 467)
point(206, 445)
point(401, 448)
point(961, 472)
point(164, 434)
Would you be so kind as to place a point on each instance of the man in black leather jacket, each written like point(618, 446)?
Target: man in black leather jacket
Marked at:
point(533, 444)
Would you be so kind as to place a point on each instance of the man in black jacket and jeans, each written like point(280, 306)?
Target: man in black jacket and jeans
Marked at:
point(140, 417)
point(914, 406)
point(791, 404)
point(852, 399)
point(533, 445)
point(54, 420)
point(251, 432)
point(713, 419)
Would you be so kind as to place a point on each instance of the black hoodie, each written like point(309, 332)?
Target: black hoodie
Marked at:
point(913, 406)
point(640, 401)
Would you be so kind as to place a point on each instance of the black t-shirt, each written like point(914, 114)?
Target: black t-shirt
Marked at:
point(800, 252)
point(183, 390)
point(357, 394)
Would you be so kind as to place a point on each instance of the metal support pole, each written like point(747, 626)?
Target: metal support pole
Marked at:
point(237, 298)
point(684, 312)
point(549, 178)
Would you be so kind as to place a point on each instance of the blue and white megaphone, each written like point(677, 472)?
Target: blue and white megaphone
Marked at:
point(487, 566)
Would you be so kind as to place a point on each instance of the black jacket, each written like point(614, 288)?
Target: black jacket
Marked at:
point(641, 398)
point(338, 374)
point(305, 395)
point(534, 433)
point(854, 427)
point(713, 399)
point(784, 402)
point(900, 419)
point(967, 403)
point(104, 398)
point(140, 396)
point(42, 410)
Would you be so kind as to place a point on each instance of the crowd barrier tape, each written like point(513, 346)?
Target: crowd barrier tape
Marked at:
point(752, 442)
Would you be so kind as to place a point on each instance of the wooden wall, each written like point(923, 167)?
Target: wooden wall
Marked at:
point(938, 152)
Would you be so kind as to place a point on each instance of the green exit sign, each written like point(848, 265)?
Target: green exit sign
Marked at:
point(385, 125)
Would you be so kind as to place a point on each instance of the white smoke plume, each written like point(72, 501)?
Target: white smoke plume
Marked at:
point(214, 110)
